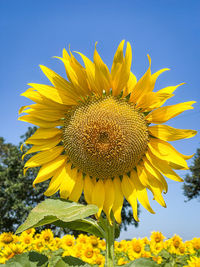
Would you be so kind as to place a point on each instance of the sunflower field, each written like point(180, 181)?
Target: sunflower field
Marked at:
point(43, 249)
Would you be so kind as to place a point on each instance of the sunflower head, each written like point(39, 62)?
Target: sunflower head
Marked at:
point(105, 137)
point(101, 132)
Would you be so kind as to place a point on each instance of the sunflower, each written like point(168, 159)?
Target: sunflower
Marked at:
point(101, 132)
point(157, 237)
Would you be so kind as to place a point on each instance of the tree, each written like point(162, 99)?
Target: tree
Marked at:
point(191, 185)
point(17, 195)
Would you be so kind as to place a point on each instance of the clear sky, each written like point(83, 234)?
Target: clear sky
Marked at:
point(33, 31)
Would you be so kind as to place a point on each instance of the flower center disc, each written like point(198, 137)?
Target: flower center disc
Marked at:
point(105, 137)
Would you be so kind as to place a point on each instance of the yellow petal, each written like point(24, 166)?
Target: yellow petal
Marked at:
point(98, 196)
point(118, 201)
point(88, 189)
point(168, 133)
point(167, 152)
point(44, 133)
point(58, 95)
point(78, 68)
point(45, 146)
point(186, 157)
point(48, 170)
point(59, 82)
point(129, 192)
point(44, 157)
point(152, 100)
point(48, 145)
point(156, 188)
point(90, 71)
point(102, 74)
point(145, 84)
point(38, 98)
point(155, 75)
point(33, 95)
point(118, 59)
point(46, 115)
point(155, 173)
point(21, 110)
point(39, 122)
point(78, 188)
point(73, 77)
point(60, 109)
point(141, 191)
point(69, 177)
point(163, 167)
point(109, 198)
point(166, 113)
point(55, 182)
point(146, 87)
point(121, 68)
point(142, 175)
point(169, 89)
point(132, 81)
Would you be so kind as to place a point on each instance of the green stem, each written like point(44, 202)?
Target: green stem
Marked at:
point(110, 238)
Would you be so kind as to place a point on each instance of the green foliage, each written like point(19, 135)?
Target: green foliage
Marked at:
point(64, 214)
point(28, 259)
point(34, 259)
point(191, 185)
point(142, 262)
point(17, 195)
point(85, 225)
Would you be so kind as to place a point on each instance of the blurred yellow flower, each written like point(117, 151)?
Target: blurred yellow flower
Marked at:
point(136, 248)
point(67, 240)
point(46, 236)
point(193, 262)
point(92, 249)
point(157, 237)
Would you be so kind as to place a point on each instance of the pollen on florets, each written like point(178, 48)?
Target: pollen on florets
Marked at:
point(105, 137)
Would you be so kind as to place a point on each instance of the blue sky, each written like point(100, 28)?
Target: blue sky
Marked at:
point(34, 31)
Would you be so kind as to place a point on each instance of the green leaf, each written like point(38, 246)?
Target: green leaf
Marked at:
point(52, 210)
point(70, 261)
point(28, 259)
point(85, 225)
point(142, 262)
point(165, 254)
point(168, 264)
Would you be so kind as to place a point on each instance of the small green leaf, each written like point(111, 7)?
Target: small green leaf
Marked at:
point(142, 262)
point(165, 254)
point(85, 225)
point(52, 210)
point(28, 259)
point(70, 261)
